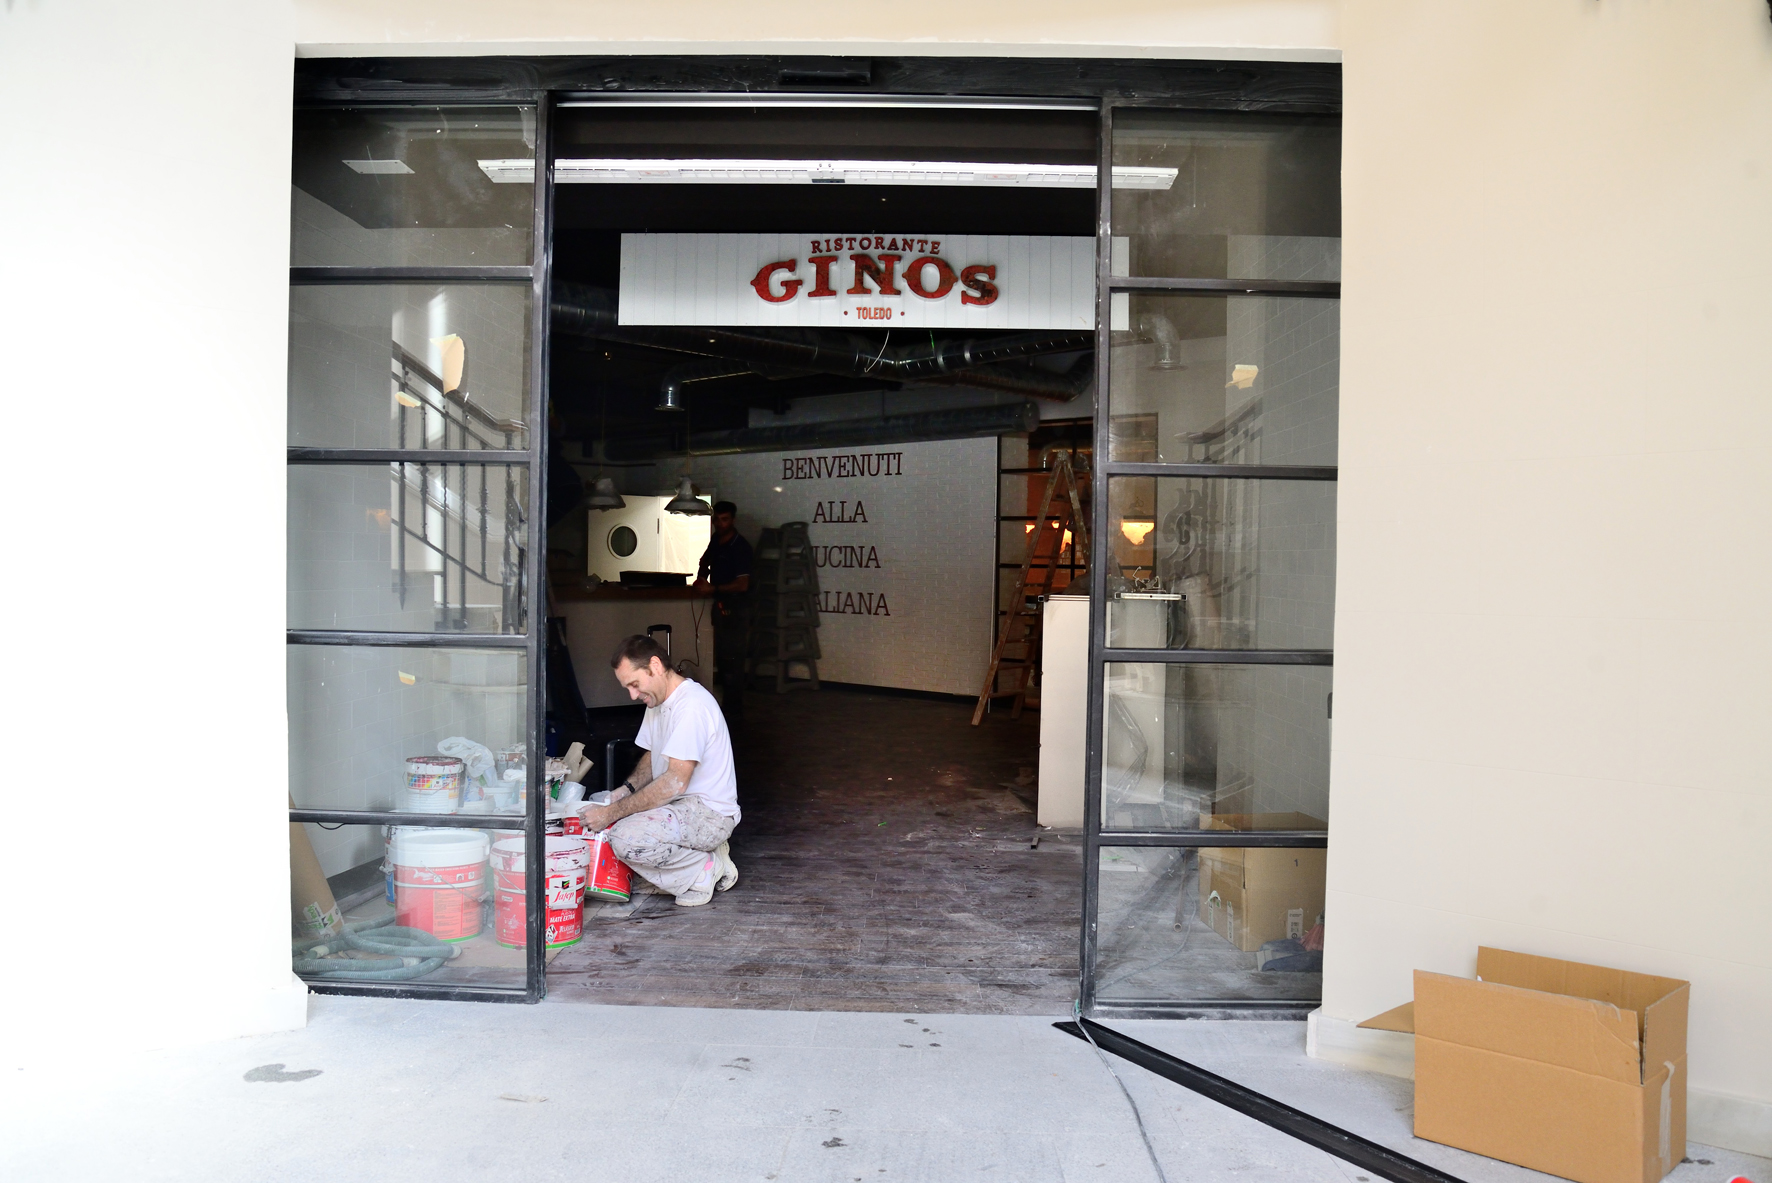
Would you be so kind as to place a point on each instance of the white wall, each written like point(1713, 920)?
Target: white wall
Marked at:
point(927, 549)
point(144, 233)
point(1552, 634)
point(1268, 29)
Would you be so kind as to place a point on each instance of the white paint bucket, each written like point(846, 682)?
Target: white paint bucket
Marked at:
point(439, 880)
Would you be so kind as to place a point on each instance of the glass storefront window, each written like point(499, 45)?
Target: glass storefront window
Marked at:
point(407, 547)
point(413, 187)
point(1215, 747)
point(1254, 196)
point(1226, 380)
point(1217, 563)
point(407, 905)
point(1209, 925)
point(409, 366)
point(366, 722)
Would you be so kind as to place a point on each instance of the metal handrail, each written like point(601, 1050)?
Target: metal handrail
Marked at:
point(418, 382)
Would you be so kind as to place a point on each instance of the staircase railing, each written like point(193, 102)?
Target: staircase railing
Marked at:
point(459, 495)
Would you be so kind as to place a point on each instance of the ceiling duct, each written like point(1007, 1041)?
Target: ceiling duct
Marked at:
point(990, 362)
point(955, 423)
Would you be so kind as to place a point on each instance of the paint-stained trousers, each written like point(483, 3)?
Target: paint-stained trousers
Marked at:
point(672, 846)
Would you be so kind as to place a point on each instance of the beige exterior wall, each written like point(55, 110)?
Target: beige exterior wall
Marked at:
point(1552, 640)
point(1552, 634)
point(1303, 30)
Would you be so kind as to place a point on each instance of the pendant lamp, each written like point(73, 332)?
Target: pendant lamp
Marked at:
point(686, 502)
point(604, 496)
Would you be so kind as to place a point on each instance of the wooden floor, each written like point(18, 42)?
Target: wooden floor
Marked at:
point(884, 862)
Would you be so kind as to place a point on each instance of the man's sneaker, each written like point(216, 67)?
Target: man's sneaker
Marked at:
point(703, 891)
point(695, 897)
point(727, 869)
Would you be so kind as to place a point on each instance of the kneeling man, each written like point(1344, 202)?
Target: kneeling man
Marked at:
point(670, 819)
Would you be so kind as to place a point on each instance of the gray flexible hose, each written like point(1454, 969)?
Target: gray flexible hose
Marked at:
point(421, 953)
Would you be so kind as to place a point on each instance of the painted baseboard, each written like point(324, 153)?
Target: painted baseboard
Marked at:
point(1715, 1119)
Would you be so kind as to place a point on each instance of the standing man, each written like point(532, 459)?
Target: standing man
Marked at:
point(670, 819)
point(726, 571)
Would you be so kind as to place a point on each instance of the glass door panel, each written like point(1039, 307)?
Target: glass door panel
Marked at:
point(1215, 747)
point(409, 365)
point(413, 186)
point(1210, 925)
point(1226, 380)
point(407, 906)
point(1220, 563)
point(414, 759)
point(1252, 196)
point(1215, 560)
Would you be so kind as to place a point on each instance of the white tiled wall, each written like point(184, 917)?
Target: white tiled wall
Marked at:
point(354, 719)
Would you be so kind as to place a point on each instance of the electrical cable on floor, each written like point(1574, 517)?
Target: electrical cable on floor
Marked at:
point(1077, 1016)
point(1187, 933)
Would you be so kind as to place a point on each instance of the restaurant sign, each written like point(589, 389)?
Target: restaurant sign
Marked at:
point(864, 281)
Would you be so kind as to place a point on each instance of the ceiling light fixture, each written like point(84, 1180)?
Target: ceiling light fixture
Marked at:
point(826, 172)
point(686, 502)
point(604, 496)
point(379, 168)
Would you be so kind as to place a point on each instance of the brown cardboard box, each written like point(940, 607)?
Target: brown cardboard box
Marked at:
point(1572, 1069)
point(1250, 895)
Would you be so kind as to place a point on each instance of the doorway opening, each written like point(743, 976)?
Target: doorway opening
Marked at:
point(541, 308)
point(847, 320)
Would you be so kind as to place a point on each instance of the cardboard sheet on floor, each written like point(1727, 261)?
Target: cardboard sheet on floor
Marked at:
point(1576, 1070)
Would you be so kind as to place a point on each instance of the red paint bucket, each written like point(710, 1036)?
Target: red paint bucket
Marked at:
point(563, 886)
point(607, 877)
point(439, 881)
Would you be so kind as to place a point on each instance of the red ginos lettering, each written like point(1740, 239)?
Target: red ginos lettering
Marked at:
point(945, 279)
point(978, 279)
point(880, 272)
point(789, 286)
point(821, 276)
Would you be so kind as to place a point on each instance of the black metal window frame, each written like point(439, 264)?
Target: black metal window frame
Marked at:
point(1107, 84)
point(1101, 654)
point(531, 639)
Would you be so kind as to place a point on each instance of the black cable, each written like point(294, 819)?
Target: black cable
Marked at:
point(1077, 1018)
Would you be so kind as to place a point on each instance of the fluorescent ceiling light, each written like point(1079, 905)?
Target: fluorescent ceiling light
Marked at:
point(378, 168)
point(826, 172)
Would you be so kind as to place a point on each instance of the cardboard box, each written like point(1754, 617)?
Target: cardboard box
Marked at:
point(1250, 895)
point(1575, 1070)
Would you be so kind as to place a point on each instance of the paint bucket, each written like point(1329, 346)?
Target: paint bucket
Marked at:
point(565, 824)
point(563, 887)
point(607, 877)
point(439, 880)
point(433, 784)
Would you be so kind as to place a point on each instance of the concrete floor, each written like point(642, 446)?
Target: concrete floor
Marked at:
point(434, 1092)
point(885, 861)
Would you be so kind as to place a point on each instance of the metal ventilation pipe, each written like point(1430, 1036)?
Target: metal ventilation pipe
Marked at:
point(592, 312)
point(958, 423)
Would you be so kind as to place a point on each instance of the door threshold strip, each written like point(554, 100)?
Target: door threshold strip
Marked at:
point(1363, 1153)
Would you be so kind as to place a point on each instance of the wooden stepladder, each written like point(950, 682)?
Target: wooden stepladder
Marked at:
point(1020, 629)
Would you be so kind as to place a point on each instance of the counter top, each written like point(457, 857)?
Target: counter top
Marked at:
point(578, 589)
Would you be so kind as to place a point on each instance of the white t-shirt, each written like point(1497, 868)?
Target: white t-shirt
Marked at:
point(689, 726)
